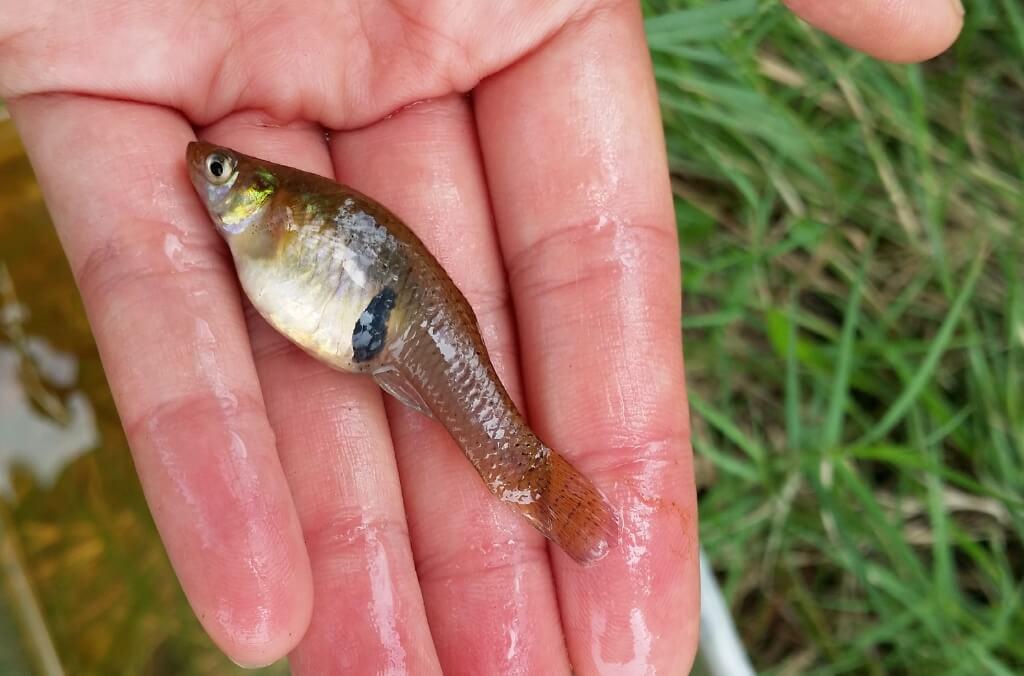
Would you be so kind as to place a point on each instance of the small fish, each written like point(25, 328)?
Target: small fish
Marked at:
point(345, 280)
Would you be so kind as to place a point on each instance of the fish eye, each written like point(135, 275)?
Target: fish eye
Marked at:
point(219, 167)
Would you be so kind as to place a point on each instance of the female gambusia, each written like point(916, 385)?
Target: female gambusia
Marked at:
point(344, 279)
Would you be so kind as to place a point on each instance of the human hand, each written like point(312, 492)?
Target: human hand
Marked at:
point(274, 481)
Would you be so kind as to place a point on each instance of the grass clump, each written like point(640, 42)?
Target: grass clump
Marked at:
point(853, 249)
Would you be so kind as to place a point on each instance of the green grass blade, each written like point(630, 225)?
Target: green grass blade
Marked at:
point(927, 368)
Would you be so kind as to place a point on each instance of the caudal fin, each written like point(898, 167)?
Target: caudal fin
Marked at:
point(570, 511)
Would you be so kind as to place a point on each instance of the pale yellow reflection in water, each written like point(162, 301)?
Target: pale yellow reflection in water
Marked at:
point(85, 586)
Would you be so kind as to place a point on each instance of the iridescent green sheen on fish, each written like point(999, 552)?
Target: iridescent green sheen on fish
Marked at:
point(348, 282)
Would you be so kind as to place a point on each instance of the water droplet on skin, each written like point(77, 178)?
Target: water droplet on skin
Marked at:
point(172, 249)
point(167, 455)
point(383, 606)
point(205, 346)
point(181, 257)
point(638, 662)
point(513, 629)
point(621, 641)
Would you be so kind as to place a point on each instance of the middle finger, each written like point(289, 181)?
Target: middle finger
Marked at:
point(484, 572)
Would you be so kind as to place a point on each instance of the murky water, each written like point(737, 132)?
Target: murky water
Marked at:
point(85, 585)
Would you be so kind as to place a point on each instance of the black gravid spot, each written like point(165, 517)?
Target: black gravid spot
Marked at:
point(372, 326)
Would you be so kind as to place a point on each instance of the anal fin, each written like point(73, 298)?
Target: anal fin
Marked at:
point(391, 380)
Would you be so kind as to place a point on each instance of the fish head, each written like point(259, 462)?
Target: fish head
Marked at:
point(235, 189)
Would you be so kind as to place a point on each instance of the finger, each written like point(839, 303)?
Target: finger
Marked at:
point(333, 438)
point(575, 161)
point(894, 30)
point(484, 573)
point(165, 311)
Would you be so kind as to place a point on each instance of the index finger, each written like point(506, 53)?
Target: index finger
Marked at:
point(164, 308)
point(575, 159)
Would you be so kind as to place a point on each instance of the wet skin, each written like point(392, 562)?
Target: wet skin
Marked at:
point(301, 517)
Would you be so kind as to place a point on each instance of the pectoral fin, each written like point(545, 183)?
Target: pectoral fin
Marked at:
point(394, 383)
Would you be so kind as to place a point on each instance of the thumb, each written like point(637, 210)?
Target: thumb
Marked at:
point(893, 30)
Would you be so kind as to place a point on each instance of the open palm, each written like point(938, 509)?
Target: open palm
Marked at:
point(302, 512)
